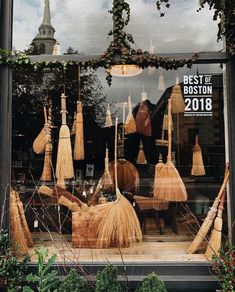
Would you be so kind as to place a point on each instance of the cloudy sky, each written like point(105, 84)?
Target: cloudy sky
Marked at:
point(84, 24)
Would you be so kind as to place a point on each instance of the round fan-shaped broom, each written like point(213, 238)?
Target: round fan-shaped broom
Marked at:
point(119, 225)
point(169, 185)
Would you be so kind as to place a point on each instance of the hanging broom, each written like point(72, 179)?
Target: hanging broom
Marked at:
point(119, 226)
point(47, 173)
point(157, 204)
point(169, 186)
point(151, 69)
point(64, 164)
point(130, 126)
point(198, 166)
point(16, 229)
point(161, 82)
point(128, 176)
point(108, 118)
point(206, 225)
point(40, 142)
point(178, 104)
point(73, 130)
point(79, 133)
point(214, 244)
point(106, 180)
point(162, 141)
point(27, 234)
point(141, 159)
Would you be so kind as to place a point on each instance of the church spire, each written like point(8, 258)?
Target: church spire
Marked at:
point(47, 13)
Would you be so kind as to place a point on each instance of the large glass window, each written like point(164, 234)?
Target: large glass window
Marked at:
point(193, 129)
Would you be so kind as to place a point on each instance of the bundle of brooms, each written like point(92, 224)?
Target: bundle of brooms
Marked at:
point(214, 244)
point(40, 142)
point(64, 164)
point(206, 225)
point(113, 224)
point(18, 225)
point(169, 185)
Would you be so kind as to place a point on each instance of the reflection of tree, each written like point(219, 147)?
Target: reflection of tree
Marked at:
point(30, 89)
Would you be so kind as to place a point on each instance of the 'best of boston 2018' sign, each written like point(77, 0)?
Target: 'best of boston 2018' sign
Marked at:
point(198, 95)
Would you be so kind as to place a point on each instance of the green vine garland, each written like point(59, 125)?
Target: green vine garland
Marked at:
point(224, 11)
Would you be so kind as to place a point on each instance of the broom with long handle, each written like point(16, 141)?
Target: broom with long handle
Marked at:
point(206, 225)
point(79, 153)
point(169, 185)
point(47, 172)
point(40, 142)
point(214, 244)
point(64, 164)
point(119, 225)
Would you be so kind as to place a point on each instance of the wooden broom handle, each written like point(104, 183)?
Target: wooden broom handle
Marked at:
point(115, 152)
point(63, 108)
point(221, 204)
point(79, 96)
point(129, 105)
point(196, 140)
point(45, 115)
point(222, 188)
point(169, 131)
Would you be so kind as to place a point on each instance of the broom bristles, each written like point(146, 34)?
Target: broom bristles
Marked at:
point(169, 185)
point(47, 172)
point(16, 228)
point(40, 142)
point(67, 203)
point(141, 159)
point(130, 125)
point(64, 165)
point(27, 233)
point(198, 168)
point(178, 105)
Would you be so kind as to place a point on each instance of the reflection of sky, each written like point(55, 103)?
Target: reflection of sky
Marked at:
point(84, 25)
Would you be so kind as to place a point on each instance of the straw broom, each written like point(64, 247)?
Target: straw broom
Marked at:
point(79, 153)
point(24, 223)
point(108, 119)
point(178, 104)
point(47, 173)
point(198, 166)
point(120, 226)
point(141, 159)
point(161, 82)
point(16, 229)
point(206, 225)
point(64, 164)
point(79, 135)
point(214, 244)
point(169, 186)
point(106, 180)
point(130, 126)
point(40, 142)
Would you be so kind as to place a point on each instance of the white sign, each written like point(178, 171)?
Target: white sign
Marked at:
point(198, 95)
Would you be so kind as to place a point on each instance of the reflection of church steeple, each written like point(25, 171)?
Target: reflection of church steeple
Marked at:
point(43, 43)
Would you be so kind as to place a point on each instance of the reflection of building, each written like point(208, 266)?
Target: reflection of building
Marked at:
point(43, 43)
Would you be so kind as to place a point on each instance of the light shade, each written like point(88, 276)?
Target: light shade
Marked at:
point(125, 70)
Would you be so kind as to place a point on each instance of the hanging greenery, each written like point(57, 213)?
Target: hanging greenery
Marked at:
point(224, 12)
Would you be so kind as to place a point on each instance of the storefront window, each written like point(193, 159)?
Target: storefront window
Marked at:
point(190, 135)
